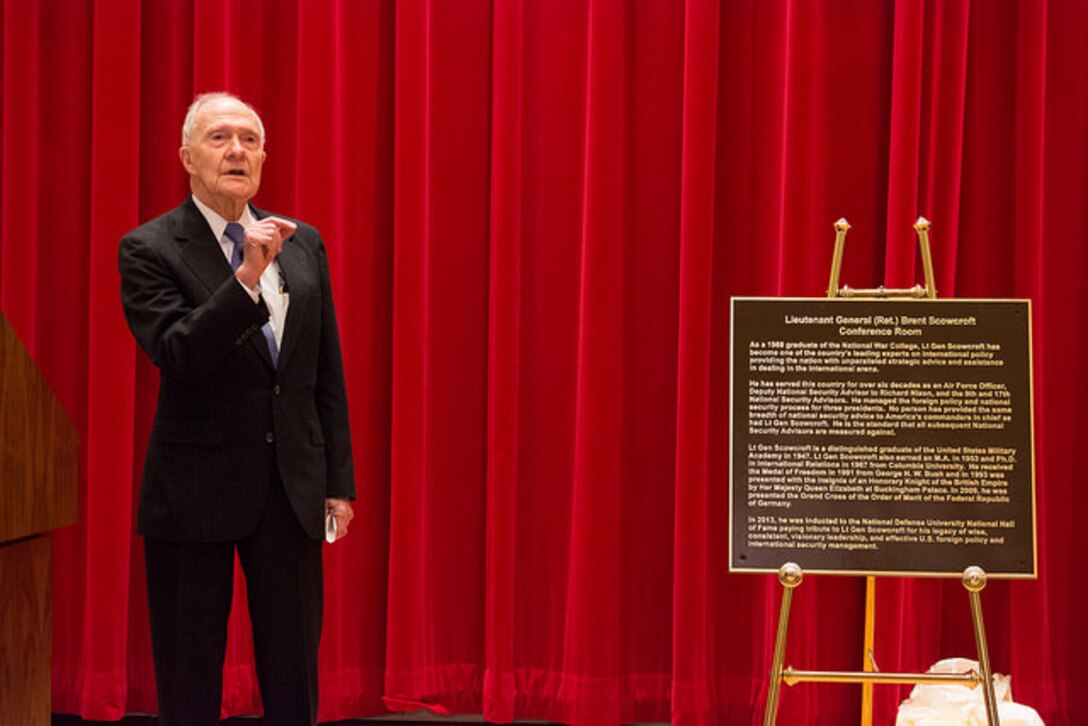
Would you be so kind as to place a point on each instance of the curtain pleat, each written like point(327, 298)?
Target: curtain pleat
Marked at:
point(505, 342)
point(694, 684)
point(536, 214)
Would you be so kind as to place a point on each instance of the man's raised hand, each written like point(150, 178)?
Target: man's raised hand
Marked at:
point(264, 240)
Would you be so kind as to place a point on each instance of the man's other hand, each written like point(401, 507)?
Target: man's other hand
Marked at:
point(341, 510)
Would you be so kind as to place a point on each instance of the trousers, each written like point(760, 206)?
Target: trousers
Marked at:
point(190, 589)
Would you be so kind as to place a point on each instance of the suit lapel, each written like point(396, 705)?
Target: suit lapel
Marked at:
point(199, 249)
point(293, 267)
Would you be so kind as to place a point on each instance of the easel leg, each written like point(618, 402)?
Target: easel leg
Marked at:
point(790, 577)
point(974, 579)
point(867, 657)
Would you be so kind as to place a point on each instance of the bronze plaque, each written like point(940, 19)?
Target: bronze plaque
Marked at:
point(882, 436)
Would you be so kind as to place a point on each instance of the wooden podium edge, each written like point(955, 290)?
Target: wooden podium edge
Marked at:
point(39, 448)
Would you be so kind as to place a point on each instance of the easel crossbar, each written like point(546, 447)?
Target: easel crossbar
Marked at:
point(791, 677)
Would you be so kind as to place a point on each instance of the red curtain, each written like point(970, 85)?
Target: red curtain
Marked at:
point(536, 213)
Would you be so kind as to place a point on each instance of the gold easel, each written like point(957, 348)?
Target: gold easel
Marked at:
point(790, 574)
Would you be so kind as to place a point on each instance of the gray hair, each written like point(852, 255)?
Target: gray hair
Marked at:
point(190, 117)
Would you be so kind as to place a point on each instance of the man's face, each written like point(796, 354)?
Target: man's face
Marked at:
point(224, 156)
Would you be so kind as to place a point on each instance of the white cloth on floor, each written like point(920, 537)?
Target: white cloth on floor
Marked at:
point(956, 705)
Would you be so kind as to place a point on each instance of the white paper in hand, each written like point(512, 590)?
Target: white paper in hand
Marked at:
point(330, 527)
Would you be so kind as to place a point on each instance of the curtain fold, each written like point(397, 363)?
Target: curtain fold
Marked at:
point(114, 197)
point(439, 366)
point(692, 692)
point(536, 214)
point(504, 361)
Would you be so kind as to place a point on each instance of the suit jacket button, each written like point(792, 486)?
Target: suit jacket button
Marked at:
point(276, 389)
point(269, 437)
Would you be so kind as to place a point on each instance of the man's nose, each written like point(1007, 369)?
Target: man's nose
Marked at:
point(235, 146)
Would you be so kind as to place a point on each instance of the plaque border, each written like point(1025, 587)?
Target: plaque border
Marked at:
point(958, 574)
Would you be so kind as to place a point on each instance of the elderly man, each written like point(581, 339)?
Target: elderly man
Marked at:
point(250, 450)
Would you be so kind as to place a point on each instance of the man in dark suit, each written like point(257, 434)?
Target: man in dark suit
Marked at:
point(250, 451)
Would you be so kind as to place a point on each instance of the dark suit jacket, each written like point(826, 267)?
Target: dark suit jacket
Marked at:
point(226, 418)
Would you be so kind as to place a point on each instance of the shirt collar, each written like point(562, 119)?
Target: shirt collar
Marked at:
point(217, 223)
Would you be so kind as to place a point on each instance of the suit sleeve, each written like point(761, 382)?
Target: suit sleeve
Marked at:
point(331, 394)
point(184, 339)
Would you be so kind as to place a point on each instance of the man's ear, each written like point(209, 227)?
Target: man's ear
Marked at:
point(186, 158)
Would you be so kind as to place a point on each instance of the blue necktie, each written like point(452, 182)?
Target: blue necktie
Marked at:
point(236, 233)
